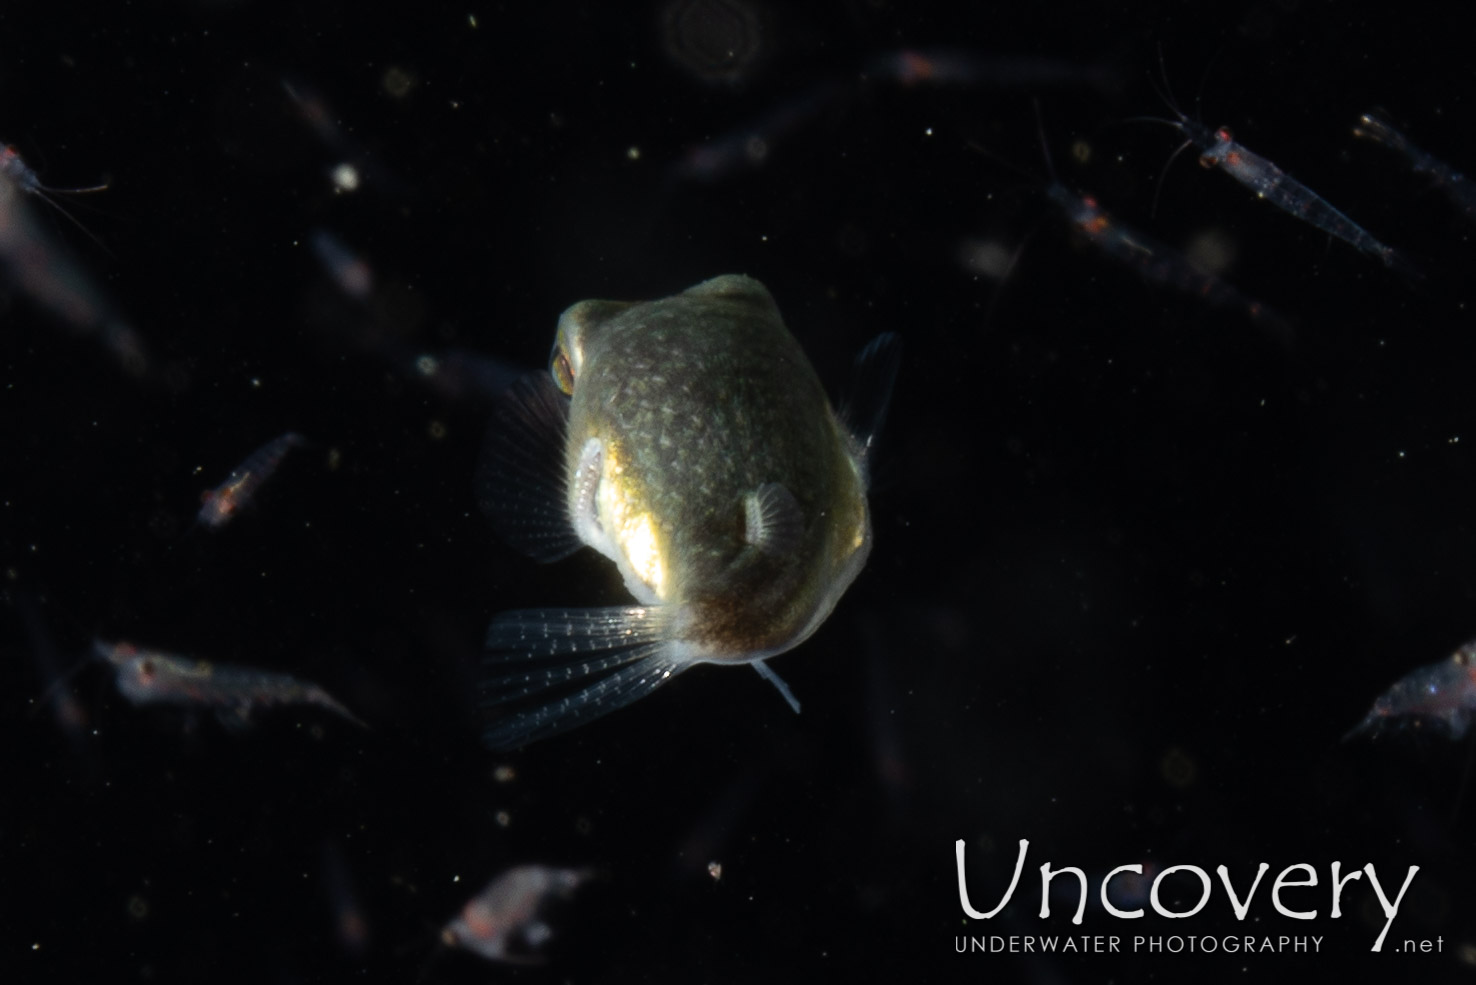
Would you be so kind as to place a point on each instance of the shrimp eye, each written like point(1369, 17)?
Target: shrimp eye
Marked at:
point(563, 373)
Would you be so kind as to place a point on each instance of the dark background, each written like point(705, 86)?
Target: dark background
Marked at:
point(1139, 562)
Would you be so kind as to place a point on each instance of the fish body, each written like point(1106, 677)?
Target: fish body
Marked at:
point(700, 453)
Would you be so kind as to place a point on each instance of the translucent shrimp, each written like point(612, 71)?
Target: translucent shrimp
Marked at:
point(25, 179)
point(1154, 262)
point(1218, 149)
point(1442, 695)
point(1442, 175)
point(508, 911)
point(46, 272)
point(909, 67)
point(152, 677)
point(222, 502)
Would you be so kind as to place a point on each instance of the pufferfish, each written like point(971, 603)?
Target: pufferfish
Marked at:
point(688, 440)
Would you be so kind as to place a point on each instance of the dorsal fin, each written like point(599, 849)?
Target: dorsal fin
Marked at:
point(875, 374)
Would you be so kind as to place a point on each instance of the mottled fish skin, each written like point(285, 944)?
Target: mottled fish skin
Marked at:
point(699, 401)
point(697, 450)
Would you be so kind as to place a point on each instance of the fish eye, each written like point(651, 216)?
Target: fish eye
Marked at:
point(563, 372)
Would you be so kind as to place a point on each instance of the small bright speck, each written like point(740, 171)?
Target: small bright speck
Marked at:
point(928, 132)
point(632, 153)
point(1455, 439)
point(471, 19)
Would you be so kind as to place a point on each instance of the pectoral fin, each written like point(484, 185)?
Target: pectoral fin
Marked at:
point(521, 481)
point(772, 520)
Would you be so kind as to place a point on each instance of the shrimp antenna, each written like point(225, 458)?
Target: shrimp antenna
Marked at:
point(1203, 79)
point(1158, 186)
point(1045, 148)
point(1183, 125)
point(1011, 165)
point(40, 191)
point(1014, 260)
point(1003, 161)
point(1031, 180)
point(1167, 92)
point(25, 179)
point(44, 647)
point(74, 191)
